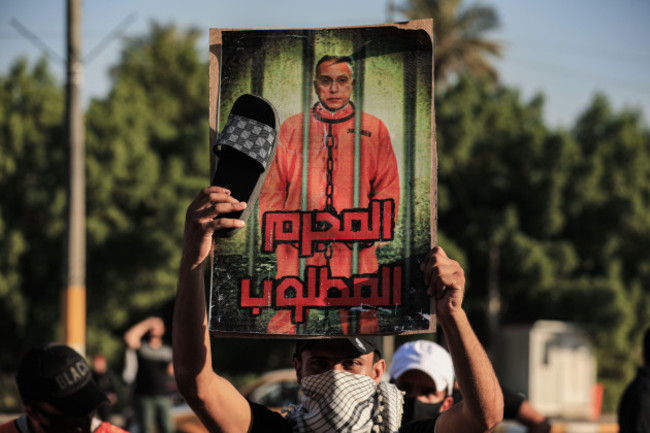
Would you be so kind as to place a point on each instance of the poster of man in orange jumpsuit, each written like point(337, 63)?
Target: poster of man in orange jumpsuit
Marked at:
point(330, 179)
point(347, 206)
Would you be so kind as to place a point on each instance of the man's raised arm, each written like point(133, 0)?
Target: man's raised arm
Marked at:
point(481, 409)
point(216, 401)
point(133, 336)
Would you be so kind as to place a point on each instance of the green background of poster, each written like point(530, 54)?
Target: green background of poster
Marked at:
point(393, 71)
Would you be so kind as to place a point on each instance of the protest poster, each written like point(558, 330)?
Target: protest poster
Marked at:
point(348, 207)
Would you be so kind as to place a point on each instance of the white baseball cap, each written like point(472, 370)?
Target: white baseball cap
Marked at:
point(428, 357)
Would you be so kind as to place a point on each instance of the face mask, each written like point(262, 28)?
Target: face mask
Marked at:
point(342, 401)
point(416, 410)
point(60, 423)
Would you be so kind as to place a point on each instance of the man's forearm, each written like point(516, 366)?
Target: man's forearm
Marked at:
point(215, 400)
point(478, 383)
point(191, 338)
point(134, 334)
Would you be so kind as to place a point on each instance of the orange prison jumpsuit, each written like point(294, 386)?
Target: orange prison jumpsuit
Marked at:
point(379, 179)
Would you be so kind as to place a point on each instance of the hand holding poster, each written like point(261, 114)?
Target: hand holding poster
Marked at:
point(345, 210)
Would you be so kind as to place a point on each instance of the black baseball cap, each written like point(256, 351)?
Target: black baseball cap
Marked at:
point(58, 375)
point(362, 344)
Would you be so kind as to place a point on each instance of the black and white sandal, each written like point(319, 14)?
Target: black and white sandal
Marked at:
point(245, 149)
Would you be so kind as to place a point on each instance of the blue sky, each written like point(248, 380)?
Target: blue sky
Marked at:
point(565, 49)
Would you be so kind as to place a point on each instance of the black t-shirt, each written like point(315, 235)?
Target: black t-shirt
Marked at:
point(266, 421)
point(153, 364)
point(512, 401)
point(420, 426)
point(634, 407)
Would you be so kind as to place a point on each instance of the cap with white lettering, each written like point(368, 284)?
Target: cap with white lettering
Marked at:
point(58, 375)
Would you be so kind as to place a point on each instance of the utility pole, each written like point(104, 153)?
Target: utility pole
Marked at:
point(74, 294)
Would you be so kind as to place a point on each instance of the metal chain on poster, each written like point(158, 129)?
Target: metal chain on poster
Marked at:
point(329, 190)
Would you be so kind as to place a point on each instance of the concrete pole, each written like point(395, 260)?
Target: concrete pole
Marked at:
point(74, 294)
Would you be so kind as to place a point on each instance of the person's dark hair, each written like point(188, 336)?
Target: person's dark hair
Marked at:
point(337, 59)
point(646, 347)
point(363, 345)
point(376, 357)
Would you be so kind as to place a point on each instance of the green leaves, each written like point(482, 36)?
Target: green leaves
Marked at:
point(459, 37)
point(32, 200)
point(147, 157)
point(568, 211)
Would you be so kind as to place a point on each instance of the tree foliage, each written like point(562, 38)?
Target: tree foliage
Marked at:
point(147, 158)
point(32, 204)
point(461, 45)
point(569, 210)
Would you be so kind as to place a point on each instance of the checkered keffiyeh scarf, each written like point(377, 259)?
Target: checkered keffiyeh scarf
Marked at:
point(338, 401)
point(249, 136)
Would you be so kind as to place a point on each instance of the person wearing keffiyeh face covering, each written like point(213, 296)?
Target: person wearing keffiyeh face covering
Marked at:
point(340, 377)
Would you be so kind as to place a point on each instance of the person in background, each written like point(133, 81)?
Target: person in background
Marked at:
point(151, 398)
point(634, 407)
point(105, 379)
point(59, 394)
point(517, 408)
point(424, 371)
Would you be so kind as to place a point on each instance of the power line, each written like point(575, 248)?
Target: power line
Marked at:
point(53, 55)
point(116, 33)
point(34, 39)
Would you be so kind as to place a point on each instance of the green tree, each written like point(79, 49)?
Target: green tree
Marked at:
point(567, 210)
point(147, 157)
point(607, 211)
point(32, 205)
point(461, 45)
